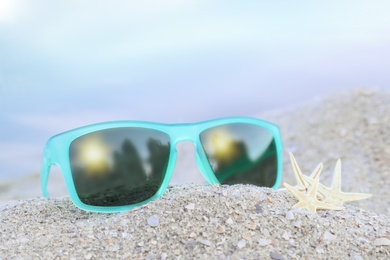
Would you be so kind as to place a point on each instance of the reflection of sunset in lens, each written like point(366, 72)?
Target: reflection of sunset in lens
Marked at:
point(223, 145)
point(94, 154)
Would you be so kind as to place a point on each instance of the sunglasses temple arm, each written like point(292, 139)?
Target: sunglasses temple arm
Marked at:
point(45, 171)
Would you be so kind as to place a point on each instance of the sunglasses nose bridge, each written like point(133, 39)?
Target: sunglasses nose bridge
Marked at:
point(190, 133)
point(184, 133)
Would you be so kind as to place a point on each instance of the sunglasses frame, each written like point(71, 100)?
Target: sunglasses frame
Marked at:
point(56, 152)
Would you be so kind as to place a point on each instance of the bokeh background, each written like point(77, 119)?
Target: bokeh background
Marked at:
point(65, 64)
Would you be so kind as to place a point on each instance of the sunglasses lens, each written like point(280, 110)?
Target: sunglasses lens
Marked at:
point(241, 154)
point(121, 166)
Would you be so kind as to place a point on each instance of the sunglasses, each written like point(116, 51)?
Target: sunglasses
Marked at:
point(116, 166)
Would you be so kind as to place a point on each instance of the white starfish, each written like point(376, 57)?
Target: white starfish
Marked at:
point(309, 201)
point(334, 195)
point(302, 184)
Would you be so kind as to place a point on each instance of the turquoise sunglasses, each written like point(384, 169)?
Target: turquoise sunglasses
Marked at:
point(116, 166)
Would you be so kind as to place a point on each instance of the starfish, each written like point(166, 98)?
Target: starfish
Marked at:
point(334, 195)
point(300, 178)
point(309, 201)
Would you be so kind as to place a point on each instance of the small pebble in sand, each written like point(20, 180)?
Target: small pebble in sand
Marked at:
point(285, 236)
point(191, 244)
point(276, 256)
point(204, 242)
point(247, 236)
point(259, 210)
point(289, 215)
point(382, 241)
point(190, 206)
point(329, 236)
point(229, 221)
point(263, 242)
point(241, 244)
point(252, 226)
point(153, 221)
point(220, 229)
point(297, 223)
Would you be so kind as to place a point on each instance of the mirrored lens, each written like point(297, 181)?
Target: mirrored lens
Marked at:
point(241, 154)
point(120, 166)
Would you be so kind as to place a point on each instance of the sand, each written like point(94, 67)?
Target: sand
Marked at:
point(234, 222)
point(193, 221)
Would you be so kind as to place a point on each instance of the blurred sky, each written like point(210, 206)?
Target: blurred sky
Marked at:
point(65, 64)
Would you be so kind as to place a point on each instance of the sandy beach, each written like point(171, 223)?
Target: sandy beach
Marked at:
point(193, 221)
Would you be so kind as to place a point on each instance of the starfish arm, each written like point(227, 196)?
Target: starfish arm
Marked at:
point(295, 192)
point(313, 189)
point(300, 205)
point(322, 189)
point(324, 205)
point(347, 196)
point(297, 171)
point(299, 188)
point(334, 200)
point(336, 180)
point(307, 206)
point(316, 171)
point(312, 208)
point(302, 190)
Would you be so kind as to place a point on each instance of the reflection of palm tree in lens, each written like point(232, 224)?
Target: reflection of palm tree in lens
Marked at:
point(128, 164)
point(158, 158)
point(135, 183)
point(127, 182)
